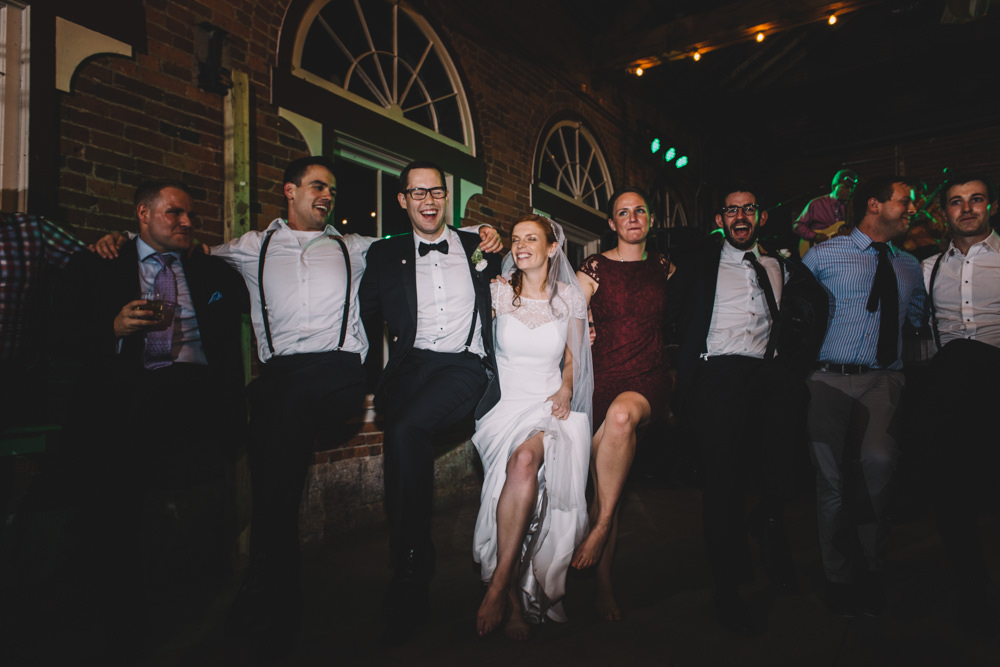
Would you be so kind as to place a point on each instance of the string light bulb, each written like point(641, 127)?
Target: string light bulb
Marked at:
point(760, 37)
point(638, 71)
point(832, 20)
point(696, 56)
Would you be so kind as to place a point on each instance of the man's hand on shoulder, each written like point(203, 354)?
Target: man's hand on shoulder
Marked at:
point(108, 245)
point(490, 240)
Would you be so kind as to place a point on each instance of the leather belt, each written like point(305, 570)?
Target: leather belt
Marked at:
point(844, 369)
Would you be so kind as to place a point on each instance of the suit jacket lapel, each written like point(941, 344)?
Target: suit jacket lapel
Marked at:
point(408, 258)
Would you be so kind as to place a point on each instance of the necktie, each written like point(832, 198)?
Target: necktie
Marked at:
point(885, 294)
point(159, 344)
point(772, 305)
point(440, 246)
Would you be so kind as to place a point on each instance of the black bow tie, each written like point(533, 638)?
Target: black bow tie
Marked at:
point(440, 246)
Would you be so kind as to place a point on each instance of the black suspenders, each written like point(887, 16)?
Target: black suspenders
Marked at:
point(930, 301)
point(347, 295)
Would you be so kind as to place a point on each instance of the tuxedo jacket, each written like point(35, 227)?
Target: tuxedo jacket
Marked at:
point(389, 288)
point(97, 289)
point(691, 300)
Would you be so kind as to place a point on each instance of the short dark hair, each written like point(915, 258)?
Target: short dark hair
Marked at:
point(404, 176)
point(962, 179)
point(624, 190)
point(149, 191)
point(738, 186)
point(879, 188)
point(296, 169)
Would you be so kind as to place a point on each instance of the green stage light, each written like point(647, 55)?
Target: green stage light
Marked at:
point(670, 154)
point(681, 161)
point(654, 146)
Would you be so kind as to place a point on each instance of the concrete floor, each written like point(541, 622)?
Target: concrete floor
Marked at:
point(664, 589)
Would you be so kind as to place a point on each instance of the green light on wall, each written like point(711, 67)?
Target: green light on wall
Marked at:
point(670, 154)
point(681, 161)
point(654, 146)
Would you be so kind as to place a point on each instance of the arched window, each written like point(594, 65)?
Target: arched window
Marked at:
point(386, 58)
point(571, 164)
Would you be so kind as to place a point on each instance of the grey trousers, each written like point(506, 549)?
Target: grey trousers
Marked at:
point(853, 444)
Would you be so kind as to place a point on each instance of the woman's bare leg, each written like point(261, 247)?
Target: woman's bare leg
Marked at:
point(605, 604)
point(612, 455)
point(514, 507)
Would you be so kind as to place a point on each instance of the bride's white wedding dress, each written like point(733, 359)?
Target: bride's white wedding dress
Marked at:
point(530, 342)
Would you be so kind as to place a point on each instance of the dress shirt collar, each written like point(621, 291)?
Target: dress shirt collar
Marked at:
point(145, 250)
point(733, 254)
point(279, 223)
point(990, 243)
point(864, 242)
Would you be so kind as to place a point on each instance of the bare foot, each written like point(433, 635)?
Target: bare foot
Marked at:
point(516, 627)
point(589, 551)
point(491, 610)
point(606, 606)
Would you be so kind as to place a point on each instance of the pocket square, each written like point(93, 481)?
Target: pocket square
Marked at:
point(215, 297)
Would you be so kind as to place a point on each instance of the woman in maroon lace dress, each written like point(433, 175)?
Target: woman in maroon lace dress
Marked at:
point(626, 289)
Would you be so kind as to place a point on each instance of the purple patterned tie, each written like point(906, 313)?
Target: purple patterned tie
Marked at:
point(159, 344)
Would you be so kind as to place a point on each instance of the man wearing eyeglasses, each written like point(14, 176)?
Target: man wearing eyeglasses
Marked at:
point(432, 288)
point(824, 216)
point(856, 387)
point(740, 403)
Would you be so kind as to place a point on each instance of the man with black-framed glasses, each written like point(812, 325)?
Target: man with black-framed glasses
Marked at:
point(733, 304)
point(432, 288)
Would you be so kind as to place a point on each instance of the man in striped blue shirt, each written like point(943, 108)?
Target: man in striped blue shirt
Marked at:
point(856, 387)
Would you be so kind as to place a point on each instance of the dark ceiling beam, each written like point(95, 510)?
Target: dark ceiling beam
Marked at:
point(725, 26)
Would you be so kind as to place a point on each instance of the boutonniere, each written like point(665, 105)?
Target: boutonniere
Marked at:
point(479, 263)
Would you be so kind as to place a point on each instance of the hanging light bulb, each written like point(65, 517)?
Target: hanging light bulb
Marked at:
point(760, 37)
point(832, 20)
point(696, 56)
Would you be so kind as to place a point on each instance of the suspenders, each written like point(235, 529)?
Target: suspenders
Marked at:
point(263, 302)
point(930, 301)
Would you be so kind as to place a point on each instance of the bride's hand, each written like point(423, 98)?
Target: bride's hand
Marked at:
point(560, 403)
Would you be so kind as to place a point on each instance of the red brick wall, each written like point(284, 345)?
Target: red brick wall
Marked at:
point(128, 120)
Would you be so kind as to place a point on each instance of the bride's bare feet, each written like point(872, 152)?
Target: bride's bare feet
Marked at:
point(516, 627)
point(491, 611)
point(589, 551)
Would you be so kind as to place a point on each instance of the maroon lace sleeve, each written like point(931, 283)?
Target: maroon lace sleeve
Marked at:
point(589, 268)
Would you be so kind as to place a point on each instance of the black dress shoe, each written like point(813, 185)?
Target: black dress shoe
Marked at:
point(733, 614)
point(841, 599)
point(407, 601)
point(871, 594)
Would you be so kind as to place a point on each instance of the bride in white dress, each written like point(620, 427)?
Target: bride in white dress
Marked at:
point(535, 441)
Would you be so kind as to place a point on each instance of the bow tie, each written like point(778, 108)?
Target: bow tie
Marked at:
point(440, 246)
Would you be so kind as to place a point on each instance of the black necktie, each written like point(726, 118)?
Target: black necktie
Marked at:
point(885, 293)
point(440, 246)
point(772, 304)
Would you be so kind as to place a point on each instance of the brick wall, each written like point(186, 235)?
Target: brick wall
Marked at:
point(128, 120)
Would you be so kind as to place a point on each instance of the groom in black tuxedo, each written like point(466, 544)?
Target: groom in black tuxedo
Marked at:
point(435, 298)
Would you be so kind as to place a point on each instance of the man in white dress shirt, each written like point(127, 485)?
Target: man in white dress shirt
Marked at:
point(740, 403)
point(963, 284)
